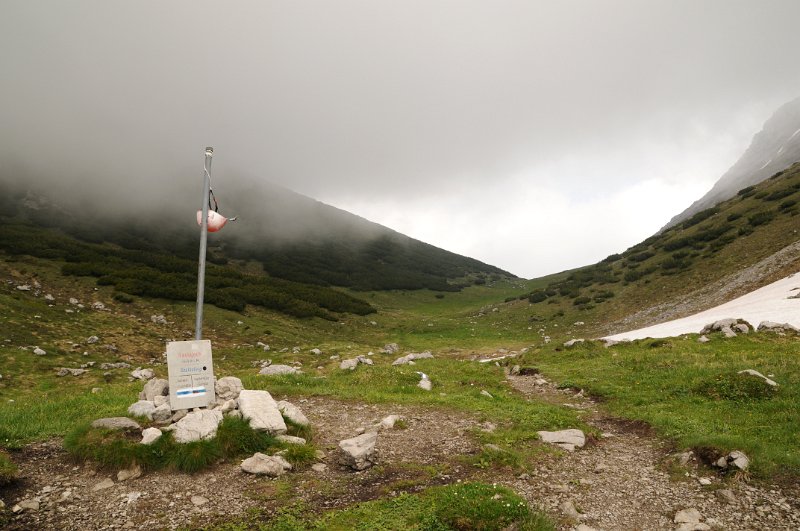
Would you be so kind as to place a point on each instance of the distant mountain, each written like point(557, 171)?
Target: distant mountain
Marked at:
point(773, 149)
point(292, 240)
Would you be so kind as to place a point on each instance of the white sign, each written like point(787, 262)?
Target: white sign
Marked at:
point(191, 374)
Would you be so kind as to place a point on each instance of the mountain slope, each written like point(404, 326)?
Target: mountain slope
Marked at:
point(716, 255)
point(773, 149)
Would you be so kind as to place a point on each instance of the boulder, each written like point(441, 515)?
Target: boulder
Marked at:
point(117, 423)
point(781, 328)
point(201, 424)
point(293, 413)
point(358, 453)
point(154, 388)
point(424, 382)
point(276, 370)
point(566, 439)
point(269, 465)
point(262, 411)
point(757, 374)
point(228, 388)
point(142, 408)
point(150, 435)
point(408, 358)
point(352, 363)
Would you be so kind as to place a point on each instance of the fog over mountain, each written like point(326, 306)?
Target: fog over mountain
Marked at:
point(534, 136)
point(774, 148)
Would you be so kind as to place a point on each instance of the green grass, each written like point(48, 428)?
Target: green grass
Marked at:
point(689, 391)
point(115, 449)
point(8, 470)
point(468, 506)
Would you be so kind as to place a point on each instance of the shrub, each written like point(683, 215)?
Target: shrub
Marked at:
point(760, 218)
point(537, 296)
point(779, 194)
point(700, 216)
point(788, 204)
point(641, 257)
point(123, 297)
point(761, 195)
point(581, 300)
point(746, 192)
point(734, 216)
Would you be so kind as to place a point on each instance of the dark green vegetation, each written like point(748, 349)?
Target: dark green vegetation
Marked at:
point(722, 240)
point(8, 470)
point(116, 449)
point(470, 506)
point(691, 392)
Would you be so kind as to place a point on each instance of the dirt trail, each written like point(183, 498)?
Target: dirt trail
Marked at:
point(628, 480)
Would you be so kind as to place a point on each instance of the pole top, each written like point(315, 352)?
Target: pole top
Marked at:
point(209, 151)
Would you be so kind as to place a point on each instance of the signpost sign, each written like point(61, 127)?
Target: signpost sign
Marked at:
point(191, 374)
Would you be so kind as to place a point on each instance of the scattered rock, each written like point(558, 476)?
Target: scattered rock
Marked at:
point(49, 298)
point(687, 516)
point(117, 423)
point(150, 435)
point(319, 467)
point(262, 411)
point(119, 365)
point(270, 465)
point(703, 339)
point(704, 482)
point(358, 453)
point(73, 301)
point(92, 340)
point(64, 371)
point(573, 342)
point(735, 459)
point(408, 358)
point(569, 510)
point(484, 392)
point(197, 501)
point(424, 382)
point(727, 326)
point(757, 374)
point(387, 423)
point(159, 400)
point(685, 458)
point(315, 351)
point(142, 408)
point(98, 306)
point(201, 424)
point(107, 483)
point(162, 413)
point(263, 346)
point(142, 374)
point(514, 370)
point(24, 287)
point(293, 413)
point(566, 439)
point(131, 473)
point(391, 348)
point(277, 370)
point(158, 319)
point(726, 495)
point(39, 352)
point(351, 364)
point(228, 388)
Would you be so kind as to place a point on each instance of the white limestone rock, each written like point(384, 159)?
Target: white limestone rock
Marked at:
point(142, 408)
point(566, 439)
point(262, 411)
point(269, 465)
point(228, 388)
point(153, 388)
point(150, 435)
point(293, 413)
point(201, 424)
point(359, 453)
point(277, 370)
point(117, 423)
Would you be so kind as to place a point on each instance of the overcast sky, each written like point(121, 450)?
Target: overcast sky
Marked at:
point(535, 136)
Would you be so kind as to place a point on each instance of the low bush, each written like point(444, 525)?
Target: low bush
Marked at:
point(736, 387)
point(761, 218)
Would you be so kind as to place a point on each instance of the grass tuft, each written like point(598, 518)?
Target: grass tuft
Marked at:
point(8, 470)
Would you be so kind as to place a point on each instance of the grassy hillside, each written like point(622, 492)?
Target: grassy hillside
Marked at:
point(665, 269)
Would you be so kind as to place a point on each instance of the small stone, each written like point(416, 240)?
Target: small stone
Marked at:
point(704, 481)
point(92, 339)
point(358, 453)
point(566, 439)
point(270, 465)
point(569, 510)
point(142, 374)
point(688, 516)
point(726, 495)
point(29, 505)
point(484, 392)
point(703, 339)
point(319, 467)
point(199, 500)
point(388, 422)
point(757, 374)
point(39, 352)
point(130, 473)
point(278, 370)
point(290, 439)
point(315, 351)
point(293, 413)
point(150, 435)
point(107, 483)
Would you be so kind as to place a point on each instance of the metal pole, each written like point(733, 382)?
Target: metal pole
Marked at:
point(201, 270)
